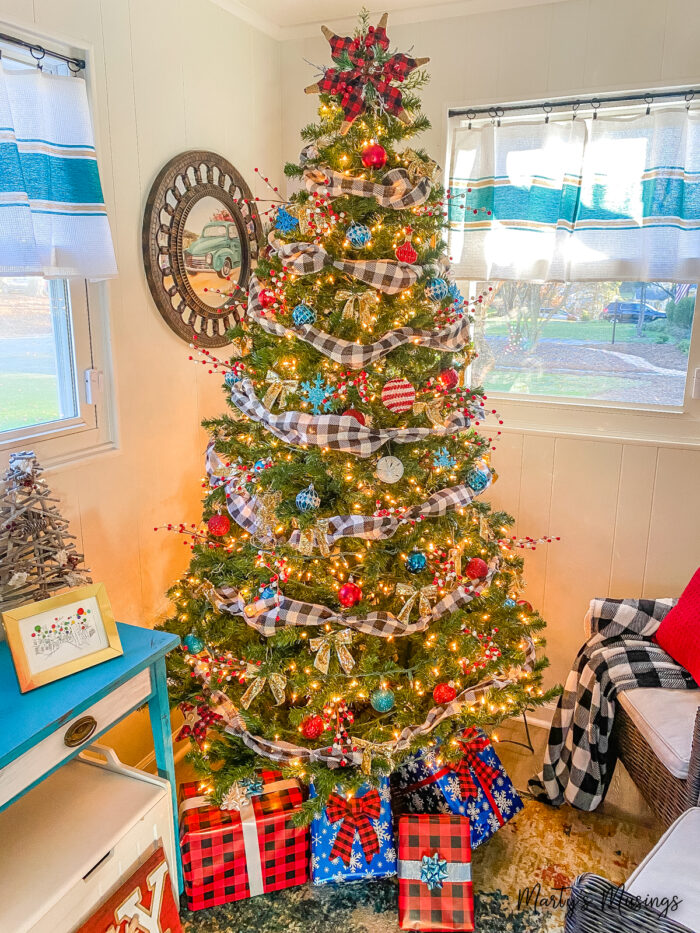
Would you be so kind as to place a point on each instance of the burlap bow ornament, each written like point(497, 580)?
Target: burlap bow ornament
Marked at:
point(455, 555)
point(325, 643)
point(417, 167)
point(265, 514)
point(279, 389)
point(358, 306)
point(412, 593)
point(276, 683)
point(432, 408)
point(314, 537)
point(371, 750)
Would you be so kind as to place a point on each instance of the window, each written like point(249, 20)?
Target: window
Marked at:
point(582, 233)
point(55, 247)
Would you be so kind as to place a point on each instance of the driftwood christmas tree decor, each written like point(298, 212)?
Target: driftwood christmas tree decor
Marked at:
point(37, 554)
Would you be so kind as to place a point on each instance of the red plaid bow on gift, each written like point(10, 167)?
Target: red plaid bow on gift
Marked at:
point(356, 814)
point(472, 744)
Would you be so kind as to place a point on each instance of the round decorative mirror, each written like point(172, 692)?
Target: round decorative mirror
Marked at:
point(200, 238)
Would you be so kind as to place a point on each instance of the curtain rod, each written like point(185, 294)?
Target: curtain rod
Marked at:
point(574, 103)
point(39, 52)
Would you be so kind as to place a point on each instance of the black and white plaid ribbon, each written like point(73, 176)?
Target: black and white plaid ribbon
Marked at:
point(386, 275)
point(282, 751)
point(451, 339)
point(336, 432)
point(395, 191)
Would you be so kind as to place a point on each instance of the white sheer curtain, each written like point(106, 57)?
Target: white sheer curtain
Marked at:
point(616, 198)
point(53, 220)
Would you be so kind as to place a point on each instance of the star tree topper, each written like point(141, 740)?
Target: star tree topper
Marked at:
point(365, 72)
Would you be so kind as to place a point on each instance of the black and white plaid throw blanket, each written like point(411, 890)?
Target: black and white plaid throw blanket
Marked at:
point(619, 655)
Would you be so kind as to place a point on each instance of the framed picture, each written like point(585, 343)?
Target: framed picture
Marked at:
point(55, 637)
point(200, 238)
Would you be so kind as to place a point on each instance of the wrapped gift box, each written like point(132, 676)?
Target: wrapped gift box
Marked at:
point(232, 854)
point(478, 787)
point(354, 838)
point(435, 881)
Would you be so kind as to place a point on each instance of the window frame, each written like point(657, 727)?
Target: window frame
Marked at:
point(595, 419)
point(94, 430)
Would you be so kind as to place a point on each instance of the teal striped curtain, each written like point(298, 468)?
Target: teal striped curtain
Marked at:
point(53, 220)
point(617, 198)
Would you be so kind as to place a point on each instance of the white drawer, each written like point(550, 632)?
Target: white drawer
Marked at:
point(51, 751)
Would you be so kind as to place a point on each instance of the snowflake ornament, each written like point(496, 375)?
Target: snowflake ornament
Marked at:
point(320, 394)
point(442, 459)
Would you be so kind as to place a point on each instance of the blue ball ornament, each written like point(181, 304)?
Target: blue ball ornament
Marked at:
point(231, 379)
point(358, 234)
point(286, 222)
point(478, 480)
point(303, 314)
point(268, 592)
point(382, 699)
point(416, 561)
point(193, 643)
point(260, 465)
point(436, 289)
point(308, 499)
point(510, 603)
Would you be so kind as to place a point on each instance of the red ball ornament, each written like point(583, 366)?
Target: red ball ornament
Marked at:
point(525, 605)
point(312, 727)
point(374, 156)
point(476, 568)
point(444, 693)
point(357, 415)
point(267, 297)
point(349, 594)
point(219, 525)
point(448, 378)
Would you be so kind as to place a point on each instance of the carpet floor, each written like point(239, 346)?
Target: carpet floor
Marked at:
point(539, 852)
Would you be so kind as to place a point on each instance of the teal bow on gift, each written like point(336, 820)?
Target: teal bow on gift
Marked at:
point(253, 787)
point(433, 871)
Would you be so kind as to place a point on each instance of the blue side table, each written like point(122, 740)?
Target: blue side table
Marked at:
point(40, 731)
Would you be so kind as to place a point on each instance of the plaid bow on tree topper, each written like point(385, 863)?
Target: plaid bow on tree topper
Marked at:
point(355, 814)
point(364, 73)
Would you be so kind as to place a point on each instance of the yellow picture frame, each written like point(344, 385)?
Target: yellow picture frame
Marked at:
point(66, 627)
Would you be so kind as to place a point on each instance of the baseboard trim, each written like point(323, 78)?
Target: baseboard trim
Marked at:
point(542, 716)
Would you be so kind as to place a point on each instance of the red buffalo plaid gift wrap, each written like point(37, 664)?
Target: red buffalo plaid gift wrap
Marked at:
point(232, 854)
point(435, 881)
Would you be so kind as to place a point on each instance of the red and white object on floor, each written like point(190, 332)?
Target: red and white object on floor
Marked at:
point(75, 837)
point(144, 902)
point(435, 879)
point(230, 855)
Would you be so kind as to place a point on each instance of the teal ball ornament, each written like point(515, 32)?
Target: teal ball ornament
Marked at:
point(510, 603)
point(436, 289)
point(416, 561)
point(308, 499)
point(267, 593)
point(303, 314)
point(478, 480)
point(232, 378)
point(285, 222)
point(382, 699)
point(193, 643)
point(358, 234)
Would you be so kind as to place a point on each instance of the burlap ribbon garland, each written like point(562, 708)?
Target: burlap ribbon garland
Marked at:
point(423, 594)
point(333, 640)
point(451, 339)
point(279, 389)
point(276, 683)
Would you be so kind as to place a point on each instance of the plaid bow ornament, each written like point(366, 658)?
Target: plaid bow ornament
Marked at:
point(276, 682)
point(355, 815)
point(364, 74)
point(323, 645)
point(433, 871)
point(423, 595)
point(358, 306)
point(279, 389)
point(472, 744)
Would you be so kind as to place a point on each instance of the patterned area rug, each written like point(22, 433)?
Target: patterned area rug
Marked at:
point(520, 877)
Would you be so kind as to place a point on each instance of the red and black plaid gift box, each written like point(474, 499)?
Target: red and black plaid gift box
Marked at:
point(229, 855)
point(435, 882)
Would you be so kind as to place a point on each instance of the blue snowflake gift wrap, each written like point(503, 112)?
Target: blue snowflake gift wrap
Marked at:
point(353, 838)
point(477, 787)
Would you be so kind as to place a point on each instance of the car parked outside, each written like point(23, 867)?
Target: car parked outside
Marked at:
point(629, 311)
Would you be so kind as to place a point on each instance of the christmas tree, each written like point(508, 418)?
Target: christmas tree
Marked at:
point(351, 597)
point(37, 553)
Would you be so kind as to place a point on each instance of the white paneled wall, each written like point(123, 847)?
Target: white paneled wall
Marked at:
point(170, 75)
point(628, 514)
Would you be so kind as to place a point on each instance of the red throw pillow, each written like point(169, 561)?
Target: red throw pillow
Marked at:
point(679, 633)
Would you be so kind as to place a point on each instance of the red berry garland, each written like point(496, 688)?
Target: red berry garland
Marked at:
point(267, 297)
point(444, 693)
point(219, 525)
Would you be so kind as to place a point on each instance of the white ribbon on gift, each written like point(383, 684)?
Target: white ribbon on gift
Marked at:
point(457, 872)
point(250, 830)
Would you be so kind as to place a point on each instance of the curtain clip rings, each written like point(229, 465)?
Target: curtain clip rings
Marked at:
point(648, 100)
point(547, 107)
point(38, 53)
point(574, 108)
point(471, 114)
point(689, 97)
point(496, 113)
point(595, 104)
